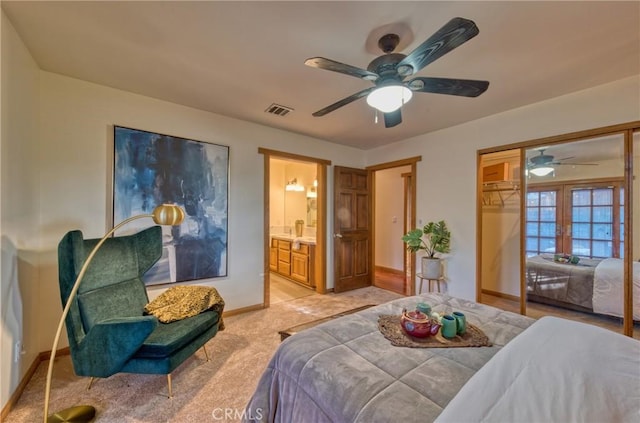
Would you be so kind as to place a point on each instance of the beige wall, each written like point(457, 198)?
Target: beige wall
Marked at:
point(56, 168)
point(20, 206)
point(446, 176)
point(56, 135)
point(77, 118)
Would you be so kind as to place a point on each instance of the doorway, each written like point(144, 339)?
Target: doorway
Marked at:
point(394, 191)
point(294, 225)
point(392, 220)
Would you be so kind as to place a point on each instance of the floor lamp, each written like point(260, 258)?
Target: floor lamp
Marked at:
point(166, 214)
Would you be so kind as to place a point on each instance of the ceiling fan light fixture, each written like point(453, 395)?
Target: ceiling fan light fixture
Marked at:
point(389, 98)
point(541, 170)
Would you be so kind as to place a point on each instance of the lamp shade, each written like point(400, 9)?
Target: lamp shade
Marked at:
point(168, 214)
point(541, 171)
point(389, 98)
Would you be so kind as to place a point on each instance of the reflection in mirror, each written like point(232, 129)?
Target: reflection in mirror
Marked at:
point(293, 183)
point(312, 211)
point(500, 226)
point(574, 223)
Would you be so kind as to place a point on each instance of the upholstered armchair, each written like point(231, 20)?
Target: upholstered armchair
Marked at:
point(106, 326)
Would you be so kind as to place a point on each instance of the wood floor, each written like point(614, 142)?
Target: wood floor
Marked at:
point(394, 281)
point(283, 290)
point(391, 280)
point(537, 310)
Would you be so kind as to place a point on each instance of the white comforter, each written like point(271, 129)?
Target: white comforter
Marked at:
point(555, 371)
point(608, 290)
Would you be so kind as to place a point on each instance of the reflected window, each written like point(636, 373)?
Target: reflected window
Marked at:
point(542, 221)
point(591, 224)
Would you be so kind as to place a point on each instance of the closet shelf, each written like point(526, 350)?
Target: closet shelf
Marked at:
point(504, 190)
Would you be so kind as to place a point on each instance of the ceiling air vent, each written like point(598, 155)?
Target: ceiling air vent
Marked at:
point(278, 109)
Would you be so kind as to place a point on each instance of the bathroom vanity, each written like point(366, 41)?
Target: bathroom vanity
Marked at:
point(293, 258)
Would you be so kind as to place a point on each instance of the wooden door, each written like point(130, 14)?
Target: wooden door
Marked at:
point(352, 229)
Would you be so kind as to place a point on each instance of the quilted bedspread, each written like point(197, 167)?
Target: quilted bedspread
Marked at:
point(345, 370)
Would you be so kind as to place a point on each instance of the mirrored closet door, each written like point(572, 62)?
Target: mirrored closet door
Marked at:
point(574, 230)
point(559, 227)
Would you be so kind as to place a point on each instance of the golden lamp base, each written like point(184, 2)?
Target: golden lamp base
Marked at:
point(77, 414)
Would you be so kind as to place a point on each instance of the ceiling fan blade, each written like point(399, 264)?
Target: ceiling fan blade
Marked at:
point(332, 65)
point(573, 164)
point(462, 87)
point(392, 119)
point(454, 33)
point(343, 102)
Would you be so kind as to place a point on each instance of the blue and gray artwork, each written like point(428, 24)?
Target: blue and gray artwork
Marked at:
point(151, 169)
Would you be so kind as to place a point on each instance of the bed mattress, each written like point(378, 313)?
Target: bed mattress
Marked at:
point(346, 371)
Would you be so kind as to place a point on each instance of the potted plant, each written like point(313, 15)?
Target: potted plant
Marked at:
point(433, 238)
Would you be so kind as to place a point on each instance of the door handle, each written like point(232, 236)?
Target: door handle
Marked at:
point(337, 235)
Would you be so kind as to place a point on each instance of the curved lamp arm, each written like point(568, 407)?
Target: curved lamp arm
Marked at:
point(165, 214)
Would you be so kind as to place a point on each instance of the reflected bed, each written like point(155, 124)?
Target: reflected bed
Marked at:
point(592, 285)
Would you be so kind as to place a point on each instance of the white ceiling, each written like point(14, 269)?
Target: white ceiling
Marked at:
point(236, 58)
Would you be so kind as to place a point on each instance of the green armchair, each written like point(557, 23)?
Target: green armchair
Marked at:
point(106, 326)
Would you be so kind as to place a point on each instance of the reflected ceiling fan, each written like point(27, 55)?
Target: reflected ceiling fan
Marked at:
point(388, 72)
point(543, 164)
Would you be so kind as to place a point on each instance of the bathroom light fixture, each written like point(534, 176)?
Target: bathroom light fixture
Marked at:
point(541, 171)
point(389, 97)
point(292, 185)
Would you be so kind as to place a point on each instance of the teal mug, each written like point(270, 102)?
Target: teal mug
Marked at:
point(461, 322)
point(449, 328)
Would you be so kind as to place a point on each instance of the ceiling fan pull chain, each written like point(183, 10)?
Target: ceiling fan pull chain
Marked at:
point(376, 118)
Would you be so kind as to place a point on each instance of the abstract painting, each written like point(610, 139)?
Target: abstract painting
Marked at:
point(150, 169)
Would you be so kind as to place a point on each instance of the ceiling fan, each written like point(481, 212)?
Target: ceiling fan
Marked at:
point(388, 72)
point(543, 164)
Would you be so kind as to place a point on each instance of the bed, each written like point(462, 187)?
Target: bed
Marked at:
point(556, 371)
point(592, 285)
point(344, 370)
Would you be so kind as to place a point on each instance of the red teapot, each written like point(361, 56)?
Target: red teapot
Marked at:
point(417, 324)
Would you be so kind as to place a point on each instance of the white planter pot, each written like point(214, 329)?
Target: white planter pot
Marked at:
point(431, 268)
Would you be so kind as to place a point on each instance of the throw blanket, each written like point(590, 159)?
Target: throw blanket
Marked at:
point(555, 371)
point(608, 288)
point(566, 283)
point(180, 302)
point(346, 371)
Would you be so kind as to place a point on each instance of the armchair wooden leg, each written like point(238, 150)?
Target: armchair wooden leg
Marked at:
point(169, 385)
point(90, 382)
point(205, 352)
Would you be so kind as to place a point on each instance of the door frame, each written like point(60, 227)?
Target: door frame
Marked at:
point(321, 228)
point(412, 162)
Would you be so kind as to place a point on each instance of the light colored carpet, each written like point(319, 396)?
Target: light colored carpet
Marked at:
point(214, 391)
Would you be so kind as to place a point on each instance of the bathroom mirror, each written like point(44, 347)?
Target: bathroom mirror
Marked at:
point(312, 212)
